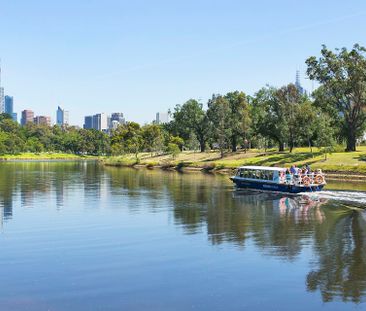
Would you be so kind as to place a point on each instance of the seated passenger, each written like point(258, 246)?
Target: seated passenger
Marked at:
point(288, 177)
point(293, 170)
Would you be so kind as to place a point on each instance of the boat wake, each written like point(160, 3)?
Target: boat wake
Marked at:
point(355, 197)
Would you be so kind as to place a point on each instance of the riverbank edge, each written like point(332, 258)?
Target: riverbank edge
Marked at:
point(330, 175)
point(48, 158)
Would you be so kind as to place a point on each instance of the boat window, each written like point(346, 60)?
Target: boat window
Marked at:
point(270, 175)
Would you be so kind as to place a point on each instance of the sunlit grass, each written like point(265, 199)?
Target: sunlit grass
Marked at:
point(337, 161)
point(43, 156)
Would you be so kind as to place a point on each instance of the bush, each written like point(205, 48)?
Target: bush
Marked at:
point(173, 150)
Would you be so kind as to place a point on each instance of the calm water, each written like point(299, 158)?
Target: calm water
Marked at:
point(77, 236)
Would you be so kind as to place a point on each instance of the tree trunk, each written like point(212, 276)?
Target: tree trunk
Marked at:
point(351, 140)
point(202, 146)
point(281, 146)
point(233, 143)
point(310, 146)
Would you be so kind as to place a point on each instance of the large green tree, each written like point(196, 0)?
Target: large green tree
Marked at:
point(219, 114)
point(191, 118)
point(342, 75)
point(240, 117)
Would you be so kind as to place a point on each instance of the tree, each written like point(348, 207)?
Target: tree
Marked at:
point(128, 138)
point(219, 114)
point(173, 149)
point(190, 117)
point(343, 78)
point(239, 115)
point(152, 138)
point(307, 122)
point(270, 116)
point(325, 134)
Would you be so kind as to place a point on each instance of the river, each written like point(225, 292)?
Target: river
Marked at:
point(79, 236)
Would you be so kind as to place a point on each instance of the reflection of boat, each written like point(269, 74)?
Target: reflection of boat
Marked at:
point(276, 179)
point(300, 207)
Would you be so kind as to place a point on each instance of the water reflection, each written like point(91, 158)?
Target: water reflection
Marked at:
point(279, 226)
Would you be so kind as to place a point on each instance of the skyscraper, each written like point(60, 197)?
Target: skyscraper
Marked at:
point(115, 120)
point(98, 122)
point(62, 116)
point(162, 117)
point(9, 107)
point(27, 117)
point(42, 120)
point(298, 84)
point(88, 122)
point(2, 99)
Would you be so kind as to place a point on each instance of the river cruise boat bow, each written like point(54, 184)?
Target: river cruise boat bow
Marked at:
point(277, 179)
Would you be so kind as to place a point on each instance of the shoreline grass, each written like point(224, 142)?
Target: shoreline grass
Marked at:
point(342, 162)
point(28, 156)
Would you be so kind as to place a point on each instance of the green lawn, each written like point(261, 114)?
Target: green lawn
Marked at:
point(338, 161)
point(43, 156)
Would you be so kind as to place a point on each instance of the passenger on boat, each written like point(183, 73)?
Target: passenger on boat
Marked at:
point(293, 170)
point(288, 177)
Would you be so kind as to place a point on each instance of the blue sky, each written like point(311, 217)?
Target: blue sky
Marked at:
point(140, 57)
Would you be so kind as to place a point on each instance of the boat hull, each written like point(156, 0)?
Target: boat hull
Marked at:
point(268, 186)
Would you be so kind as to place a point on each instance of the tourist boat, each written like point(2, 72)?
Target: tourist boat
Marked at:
point(275, 179)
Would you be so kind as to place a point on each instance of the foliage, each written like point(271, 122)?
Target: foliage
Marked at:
point(191, 118)
point(219, 113)
point(343, 78)
point(173, 150)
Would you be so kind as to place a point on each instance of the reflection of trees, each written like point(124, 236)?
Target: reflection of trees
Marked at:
point(278, 225)
point(341, 266)
point(33, 179)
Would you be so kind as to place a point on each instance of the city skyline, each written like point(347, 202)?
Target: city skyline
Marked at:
point(119, 55)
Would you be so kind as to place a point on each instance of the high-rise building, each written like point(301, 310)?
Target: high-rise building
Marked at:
point(100, 122)
point(162, 117)
point(118, 116)
point(88, 122)
point(9, 107)
point(42, 120)
point(115, 120)
point(27, 117)
point(298, 84)
point(2, 99)
point(62, 116)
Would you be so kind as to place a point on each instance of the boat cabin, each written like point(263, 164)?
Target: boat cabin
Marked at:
point(260, 173)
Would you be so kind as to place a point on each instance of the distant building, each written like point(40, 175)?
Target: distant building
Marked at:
point(298, 84)
point(2, 100)
point(42, 120)
point(88, 122)
point(27, 117)
point(162, 117)
point(98, 122)
point(62, 116)
point(9, 107)
point(115, 120)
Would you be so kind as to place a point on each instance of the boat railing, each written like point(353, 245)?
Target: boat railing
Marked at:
point(313, 178)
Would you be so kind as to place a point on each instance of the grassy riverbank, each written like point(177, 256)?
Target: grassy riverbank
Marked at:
point(43, 156)
point(354, 162)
